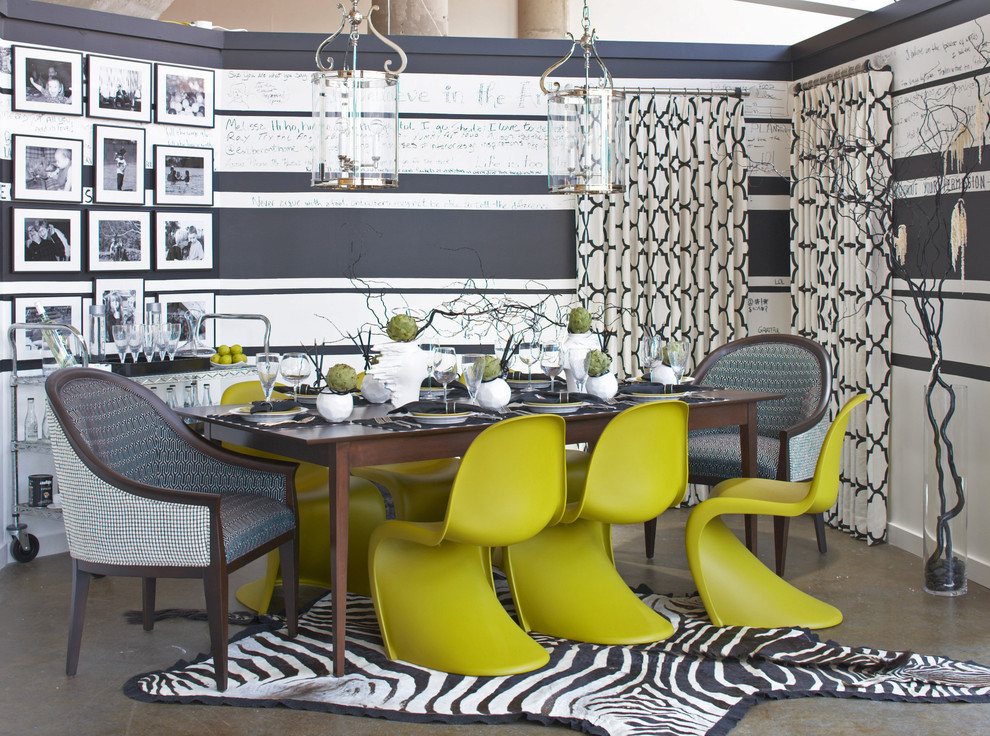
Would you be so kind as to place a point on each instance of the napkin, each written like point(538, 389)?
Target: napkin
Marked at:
point(437, 407)
point(260, 407)
point(657, 388)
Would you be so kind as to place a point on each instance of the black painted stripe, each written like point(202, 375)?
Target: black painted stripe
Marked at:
point(949, 367)
point(254, 290)
point(769, 185)
point(278, 181)
point(383, 243)
point(953, 296)
point(769, 242)
point(769, 289)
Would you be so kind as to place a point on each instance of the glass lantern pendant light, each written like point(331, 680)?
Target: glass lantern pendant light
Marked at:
point(355, 116)
point(586, 127)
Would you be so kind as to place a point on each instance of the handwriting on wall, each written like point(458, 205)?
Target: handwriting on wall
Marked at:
point(941, 55)
point(768, 146)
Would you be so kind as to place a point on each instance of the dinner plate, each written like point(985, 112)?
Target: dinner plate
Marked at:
point(266, 416)
point(424, 417)
point(567, 408)
point(655, 397)
point(524, 383)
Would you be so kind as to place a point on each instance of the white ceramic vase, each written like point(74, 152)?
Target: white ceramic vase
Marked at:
point(401, 368)
point(374, 390)
point(494, 394)
point(604, 386)
point(587, 340)
point(334, 407)
point(662, 373)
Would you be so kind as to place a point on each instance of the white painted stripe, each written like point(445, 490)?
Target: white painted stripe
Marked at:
point(357, 287)
point(951, 184)
point(32, 288)
point(769, 202)
point(310, 199)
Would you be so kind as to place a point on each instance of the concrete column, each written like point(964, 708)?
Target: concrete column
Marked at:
point(411, 17)
point(542, 18)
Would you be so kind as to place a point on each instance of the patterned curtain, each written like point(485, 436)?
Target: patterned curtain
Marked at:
point(670, 254)
point(841, 228)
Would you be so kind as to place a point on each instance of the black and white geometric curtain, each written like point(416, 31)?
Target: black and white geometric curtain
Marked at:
point(670, 254)
point(841, 230)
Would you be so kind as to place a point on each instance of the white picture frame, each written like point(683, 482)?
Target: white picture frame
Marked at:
point(119, 240)
point(118, 165)
point(184, 95)
point(47, 81)
point(183, 176)
point(123, 300)
point(119, 89)
point(183, 240)
point(64, 309)
point(57, 249)
point(47, 169)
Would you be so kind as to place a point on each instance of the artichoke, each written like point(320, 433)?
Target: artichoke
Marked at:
point(579, 321)
point(341, 378)
point(598, 363)
point(401, 328)
point(493, 368)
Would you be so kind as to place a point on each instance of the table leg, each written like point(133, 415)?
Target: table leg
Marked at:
point(748, 445)
point(340, 478)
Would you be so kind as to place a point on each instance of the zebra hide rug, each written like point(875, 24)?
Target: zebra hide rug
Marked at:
point(699, 681)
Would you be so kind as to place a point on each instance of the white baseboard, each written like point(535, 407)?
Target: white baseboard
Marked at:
point(909, 540)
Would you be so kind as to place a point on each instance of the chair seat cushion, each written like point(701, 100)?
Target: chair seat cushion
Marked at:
point(717, 455)
point(249, 521)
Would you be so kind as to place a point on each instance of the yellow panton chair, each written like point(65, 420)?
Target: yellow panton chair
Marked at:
point(367, 510)
point(431, 582)
point(563, 580)
point(738, 589)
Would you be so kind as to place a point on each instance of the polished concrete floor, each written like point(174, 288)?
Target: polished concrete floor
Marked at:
point(877, 589)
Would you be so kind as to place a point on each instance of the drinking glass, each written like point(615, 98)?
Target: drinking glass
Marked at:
point(148, 342)
point(135, 341)
point(161, 341)
point(650, 354)
point(677, 357)
point(473, 368)
point(577, 360)
point(444, 368)
point(267, 364)
point(551, 361)
point(295, 369)
point(430, 348)
point(119, 333)
point(529, 354)
point(174, 332)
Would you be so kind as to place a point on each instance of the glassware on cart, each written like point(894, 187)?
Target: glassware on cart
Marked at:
point(148, 343)
point(120, 338)
point(174, 332)
point(267, 365)
point(97, 333)
point(135, 341)
point(295, 367)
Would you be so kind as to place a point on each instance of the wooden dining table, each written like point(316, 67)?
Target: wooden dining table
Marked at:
point(345, 445)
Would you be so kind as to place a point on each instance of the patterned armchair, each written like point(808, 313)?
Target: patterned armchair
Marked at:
point(790, 430)
point(145, 496)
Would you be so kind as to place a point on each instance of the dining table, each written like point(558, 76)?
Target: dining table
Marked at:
point(361, 440)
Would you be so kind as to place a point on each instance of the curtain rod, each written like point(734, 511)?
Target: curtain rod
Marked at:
point(863, 66)
point(736, 92)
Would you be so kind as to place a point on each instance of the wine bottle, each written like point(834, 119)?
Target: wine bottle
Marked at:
point(53, 338)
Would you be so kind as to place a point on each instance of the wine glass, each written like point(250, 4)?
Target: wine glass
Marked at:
point(529, 353)
point(135, 340)
point(577, 360)
point(444, 368)
point(551, 361)
point(650, 354)
point(267, 364)
point(473, 368)
point(677, 357)
point(430, 348)
point(295, 369)
point(161, 340)
point(119, 333)
point(174, 335)
point(148, 342)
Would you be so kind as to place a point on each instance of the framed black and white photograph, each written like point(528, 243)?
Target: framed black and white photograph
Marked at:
point(185, 309)
point(183, 175)
point(118, 165)
point(123, 300)
point(183, 240)
point(119, 240)
point(183, 95)
point(66, 310)
point(46, 80)
point(118, 88)
point(48, 241)
point(47, 169)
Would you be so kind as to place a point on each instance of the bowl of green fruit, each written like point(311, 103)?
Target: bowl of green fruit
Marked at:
point(227, 356)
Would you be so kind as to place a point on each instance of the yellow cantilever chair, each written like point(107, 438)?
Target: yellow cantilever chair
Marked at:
point(738, 589)
point(367, 510)
point(563, 580)
point(431, 582)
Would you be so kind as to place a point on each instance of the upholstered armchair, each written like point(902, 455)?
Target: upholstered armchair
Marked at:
point(145, 496)
point(790, 430)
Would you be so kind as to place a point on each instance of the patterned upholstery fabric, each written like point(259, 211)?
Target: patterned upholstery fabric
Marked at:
point(773, 367)
point(107, 525)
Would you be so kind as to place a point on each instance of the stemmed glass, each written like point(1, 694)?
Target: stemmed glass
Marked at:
point(135, 340)
point(473, 368)
point(161, 340)
point(120, 340)
point(173, 331)
point(577, 366)
point(529, 354)
point(651, 353)
point(430, 348)
point(444, 368)
point(267, 364)
point(148, 342)
point(677, 357)
point(551, 361)
point(295, 369)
